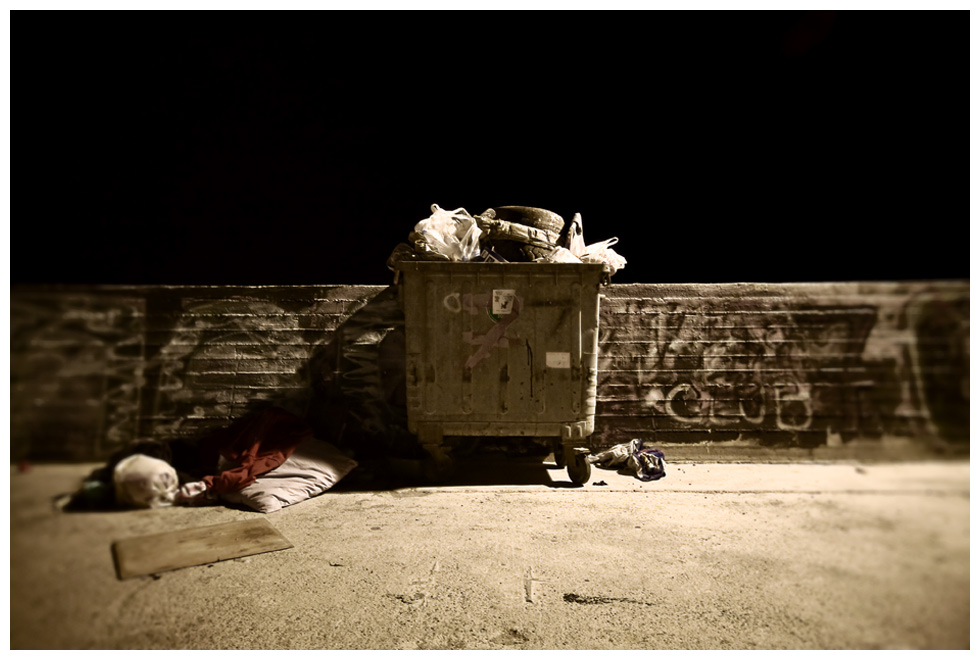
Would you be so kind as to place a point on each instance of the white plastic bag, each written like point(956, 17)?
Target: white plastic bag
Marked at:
point(597, 253)
point(560, 255)
point(614, 457)
point(451, 234)
point(145, 482)
point(602, 253)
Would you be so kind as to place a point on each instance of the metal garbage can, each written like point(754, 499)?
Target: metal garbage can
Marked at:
point(502, 350)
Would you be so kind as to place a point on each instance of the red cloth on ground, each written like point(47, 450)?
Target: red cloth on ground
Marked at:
point(256, 444)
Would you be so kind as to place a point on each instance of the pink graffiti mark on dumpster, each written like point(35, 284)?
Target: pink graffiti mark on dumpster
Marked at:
point(479, 303)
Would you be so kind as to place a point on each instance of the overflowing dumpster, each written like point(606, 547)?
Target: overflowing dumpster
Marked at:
point(502, 349)
point(496, 347)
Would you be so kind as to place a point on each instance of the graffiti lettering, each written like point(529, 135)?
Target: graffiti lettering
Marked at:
point(686, 404)
point(453, 303)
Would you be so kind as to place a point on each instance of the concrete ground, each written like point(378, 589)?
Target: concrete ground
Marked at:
point(841, 555)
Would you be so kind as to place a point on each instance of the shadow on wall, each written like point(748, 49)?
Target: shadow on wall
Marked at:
point(793, 377)
point(358, 392)
point(357, 383)
point(942, 341)
point(351, 389)
point(92, 370)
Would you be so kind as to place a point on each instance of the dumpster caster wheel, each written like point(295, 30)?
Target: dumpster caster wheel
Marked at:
point(437, 467)
point(559, 451)
point(579, 469)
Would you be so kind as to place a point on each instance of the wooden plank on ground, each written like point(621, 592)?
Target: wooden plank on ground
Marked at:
point(156, 553)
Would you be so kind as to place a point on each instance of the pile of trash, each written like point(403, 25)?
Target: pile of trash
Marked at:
point(504, 234)
point(264, 461)
point(633, 457)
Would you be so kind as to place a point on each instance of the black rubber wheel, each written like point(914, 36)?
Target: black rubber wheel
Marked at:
point(559, 452)
point(579, 469)
point(438, 470)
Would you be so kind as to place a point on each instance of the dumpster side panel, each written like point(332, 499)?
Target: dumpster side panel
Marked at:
point(501, 349)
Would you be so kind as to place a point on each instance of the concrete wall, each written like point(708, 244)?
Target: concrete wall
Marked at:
point(801, 365)
point(786, 365)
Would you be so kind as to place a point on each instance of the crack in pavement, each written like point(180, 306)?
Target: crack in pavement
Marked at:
point(600, 600)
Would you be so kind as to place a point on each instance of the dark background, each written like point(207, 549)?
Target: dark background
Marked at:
point(300, 148)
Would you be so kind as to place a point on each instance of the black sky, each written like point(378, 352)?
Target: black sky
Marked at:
point(300, 148)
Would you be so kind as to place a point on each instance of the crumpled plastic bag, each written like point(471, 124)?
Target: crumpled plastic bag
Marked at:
point(561, 255)
point(648, 464)
point(602, 253)
point(145, 482)
point(576, 251)
point(447, 235)
point(612, 458)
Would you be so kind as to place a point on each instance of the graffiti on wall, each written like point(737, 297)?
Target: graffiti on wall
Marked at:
point(224, 357)
point(91, 372)
point(76, 374)
point(221, 357)
point(779, 375)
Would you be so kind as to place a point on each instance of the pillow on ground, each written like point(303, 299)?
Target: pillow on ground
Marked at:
point(314, 467)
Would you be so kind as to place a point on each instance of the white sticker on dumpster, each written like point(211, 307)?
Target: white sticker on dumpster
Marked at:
point(503, 301)
point(558, 360)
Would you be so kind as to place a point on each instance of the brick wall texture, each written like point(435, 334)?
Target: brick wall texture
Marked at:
point(804, 364)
